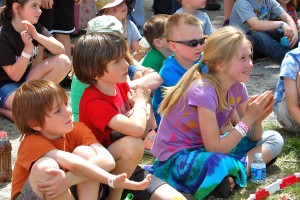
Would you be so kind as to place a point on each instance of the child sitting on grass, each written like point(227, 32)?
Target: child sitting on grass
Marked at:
point(57, 155)
point(20, 59)
point(154, 32)
point(117, 115)
point(185, 38)
point(286, 106)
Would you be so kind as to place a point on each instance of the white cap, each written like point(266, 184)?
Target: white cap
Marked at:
point(258, 155)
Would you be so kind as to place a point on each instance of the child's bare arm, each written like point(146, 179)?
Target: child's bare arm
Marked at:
point(290, 30)
point(80, 167)
point(50, 43)
point(262, 25)
point(292, 98)
point(137, 121)
point(256, 110)
point(152, 80)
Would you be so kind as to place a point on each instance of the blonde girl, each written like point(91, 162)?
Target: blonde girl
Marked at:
point(210, 130)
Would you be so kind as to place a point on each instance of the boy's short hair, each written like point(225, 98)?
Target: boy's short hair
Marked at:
point(94, 51)
point(34, 101)
point(154, 28)
point(180, 18)
point(180, 1)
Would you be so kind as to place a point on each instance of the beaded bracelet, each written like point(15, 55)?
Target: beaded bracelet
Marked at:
point(25, 55)
point(110, 181)
point(243, 126)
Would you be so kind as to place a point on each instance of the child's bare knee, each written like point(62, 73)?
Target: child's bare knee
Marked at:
point(64, 63)
point(85, 152)
point(132, 148)
point(40, 167)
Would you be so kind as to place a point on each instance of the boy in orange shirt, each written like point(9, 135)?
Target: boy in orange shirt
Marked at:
point(56, 155)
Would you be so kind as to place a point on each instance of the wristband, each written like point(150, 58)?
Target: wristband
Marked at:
point(243, 126)
point(240, 130)
point(281, 25)
point(110, 181)
point(25, 55)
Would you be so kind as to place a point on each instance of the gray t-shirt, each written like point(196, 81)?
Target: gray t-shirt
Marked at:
point(206, 24)
point(132, 32)
point(246, 9)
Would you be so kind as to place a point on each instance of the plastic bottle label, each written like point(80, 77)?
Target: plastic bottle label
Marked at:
point(258, 174)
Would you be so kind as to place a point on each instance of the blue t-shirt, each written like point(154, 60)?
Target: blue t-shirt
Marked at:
point(290, 68)
point(171, 72)
point(246, 9)
point(206, 24)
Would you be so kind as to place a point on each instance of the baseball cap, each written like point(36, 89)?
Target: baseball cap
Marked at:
point(104, 24)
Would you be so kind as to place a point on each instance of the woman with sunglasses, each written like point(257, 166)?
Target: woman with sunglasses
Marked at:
point(209, 130)
point(185, 38)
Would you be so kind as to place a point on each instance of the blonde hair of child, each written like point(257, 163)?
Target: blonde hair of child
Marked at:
point(220, 50)
point(178, 19)
point(34, 101)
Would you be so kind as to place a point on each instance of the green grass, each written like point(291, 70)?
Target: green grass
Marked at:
point(287, 164)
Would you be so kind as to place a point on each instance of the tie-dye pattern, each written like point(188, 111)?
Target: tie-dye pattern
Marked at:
point(198, 172)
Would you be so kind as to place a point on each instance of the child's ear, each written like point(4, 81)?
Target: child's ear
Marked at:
point(15, 6)
point(35, 126)
point(172, 46)
point(157, 43)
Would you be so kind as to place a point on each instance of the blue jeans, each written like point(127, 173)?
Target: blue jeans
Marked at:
point(268, 44)
point(6, 90)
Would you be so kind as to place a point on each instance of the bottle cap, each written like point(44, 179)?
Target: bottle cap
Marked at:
point(3, 134)
point(258, 155)
point(129, 196)
point(284, 41)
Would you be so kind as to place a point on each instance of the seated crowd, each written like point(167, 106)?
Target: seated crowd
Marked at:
point(183, 99)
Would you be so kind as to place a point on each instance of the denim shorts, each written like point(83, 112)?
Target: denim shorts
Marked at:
point(6, 90)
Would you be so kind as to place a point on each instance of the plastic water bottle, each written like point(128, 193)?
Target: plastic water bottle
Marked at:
point(5, 158)
point(258, 169)
point(284, 41)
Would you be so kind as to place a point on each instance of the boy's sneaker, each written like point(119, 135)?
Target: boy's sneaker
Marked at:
point(148, 142)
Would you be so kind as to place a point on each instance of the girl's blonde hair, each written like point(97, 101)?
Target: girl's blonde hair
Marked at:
point(220, 49)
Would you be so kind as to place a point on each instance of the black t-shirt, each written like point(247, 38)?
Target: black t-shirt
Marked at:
point(11, 47)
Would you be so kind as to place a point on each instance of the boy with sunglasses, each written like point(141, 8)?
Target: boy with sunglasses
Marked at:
point(185, 38)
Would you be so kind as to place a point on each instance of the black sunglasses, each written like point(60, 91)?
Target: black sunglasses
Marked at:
point(190, 43)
